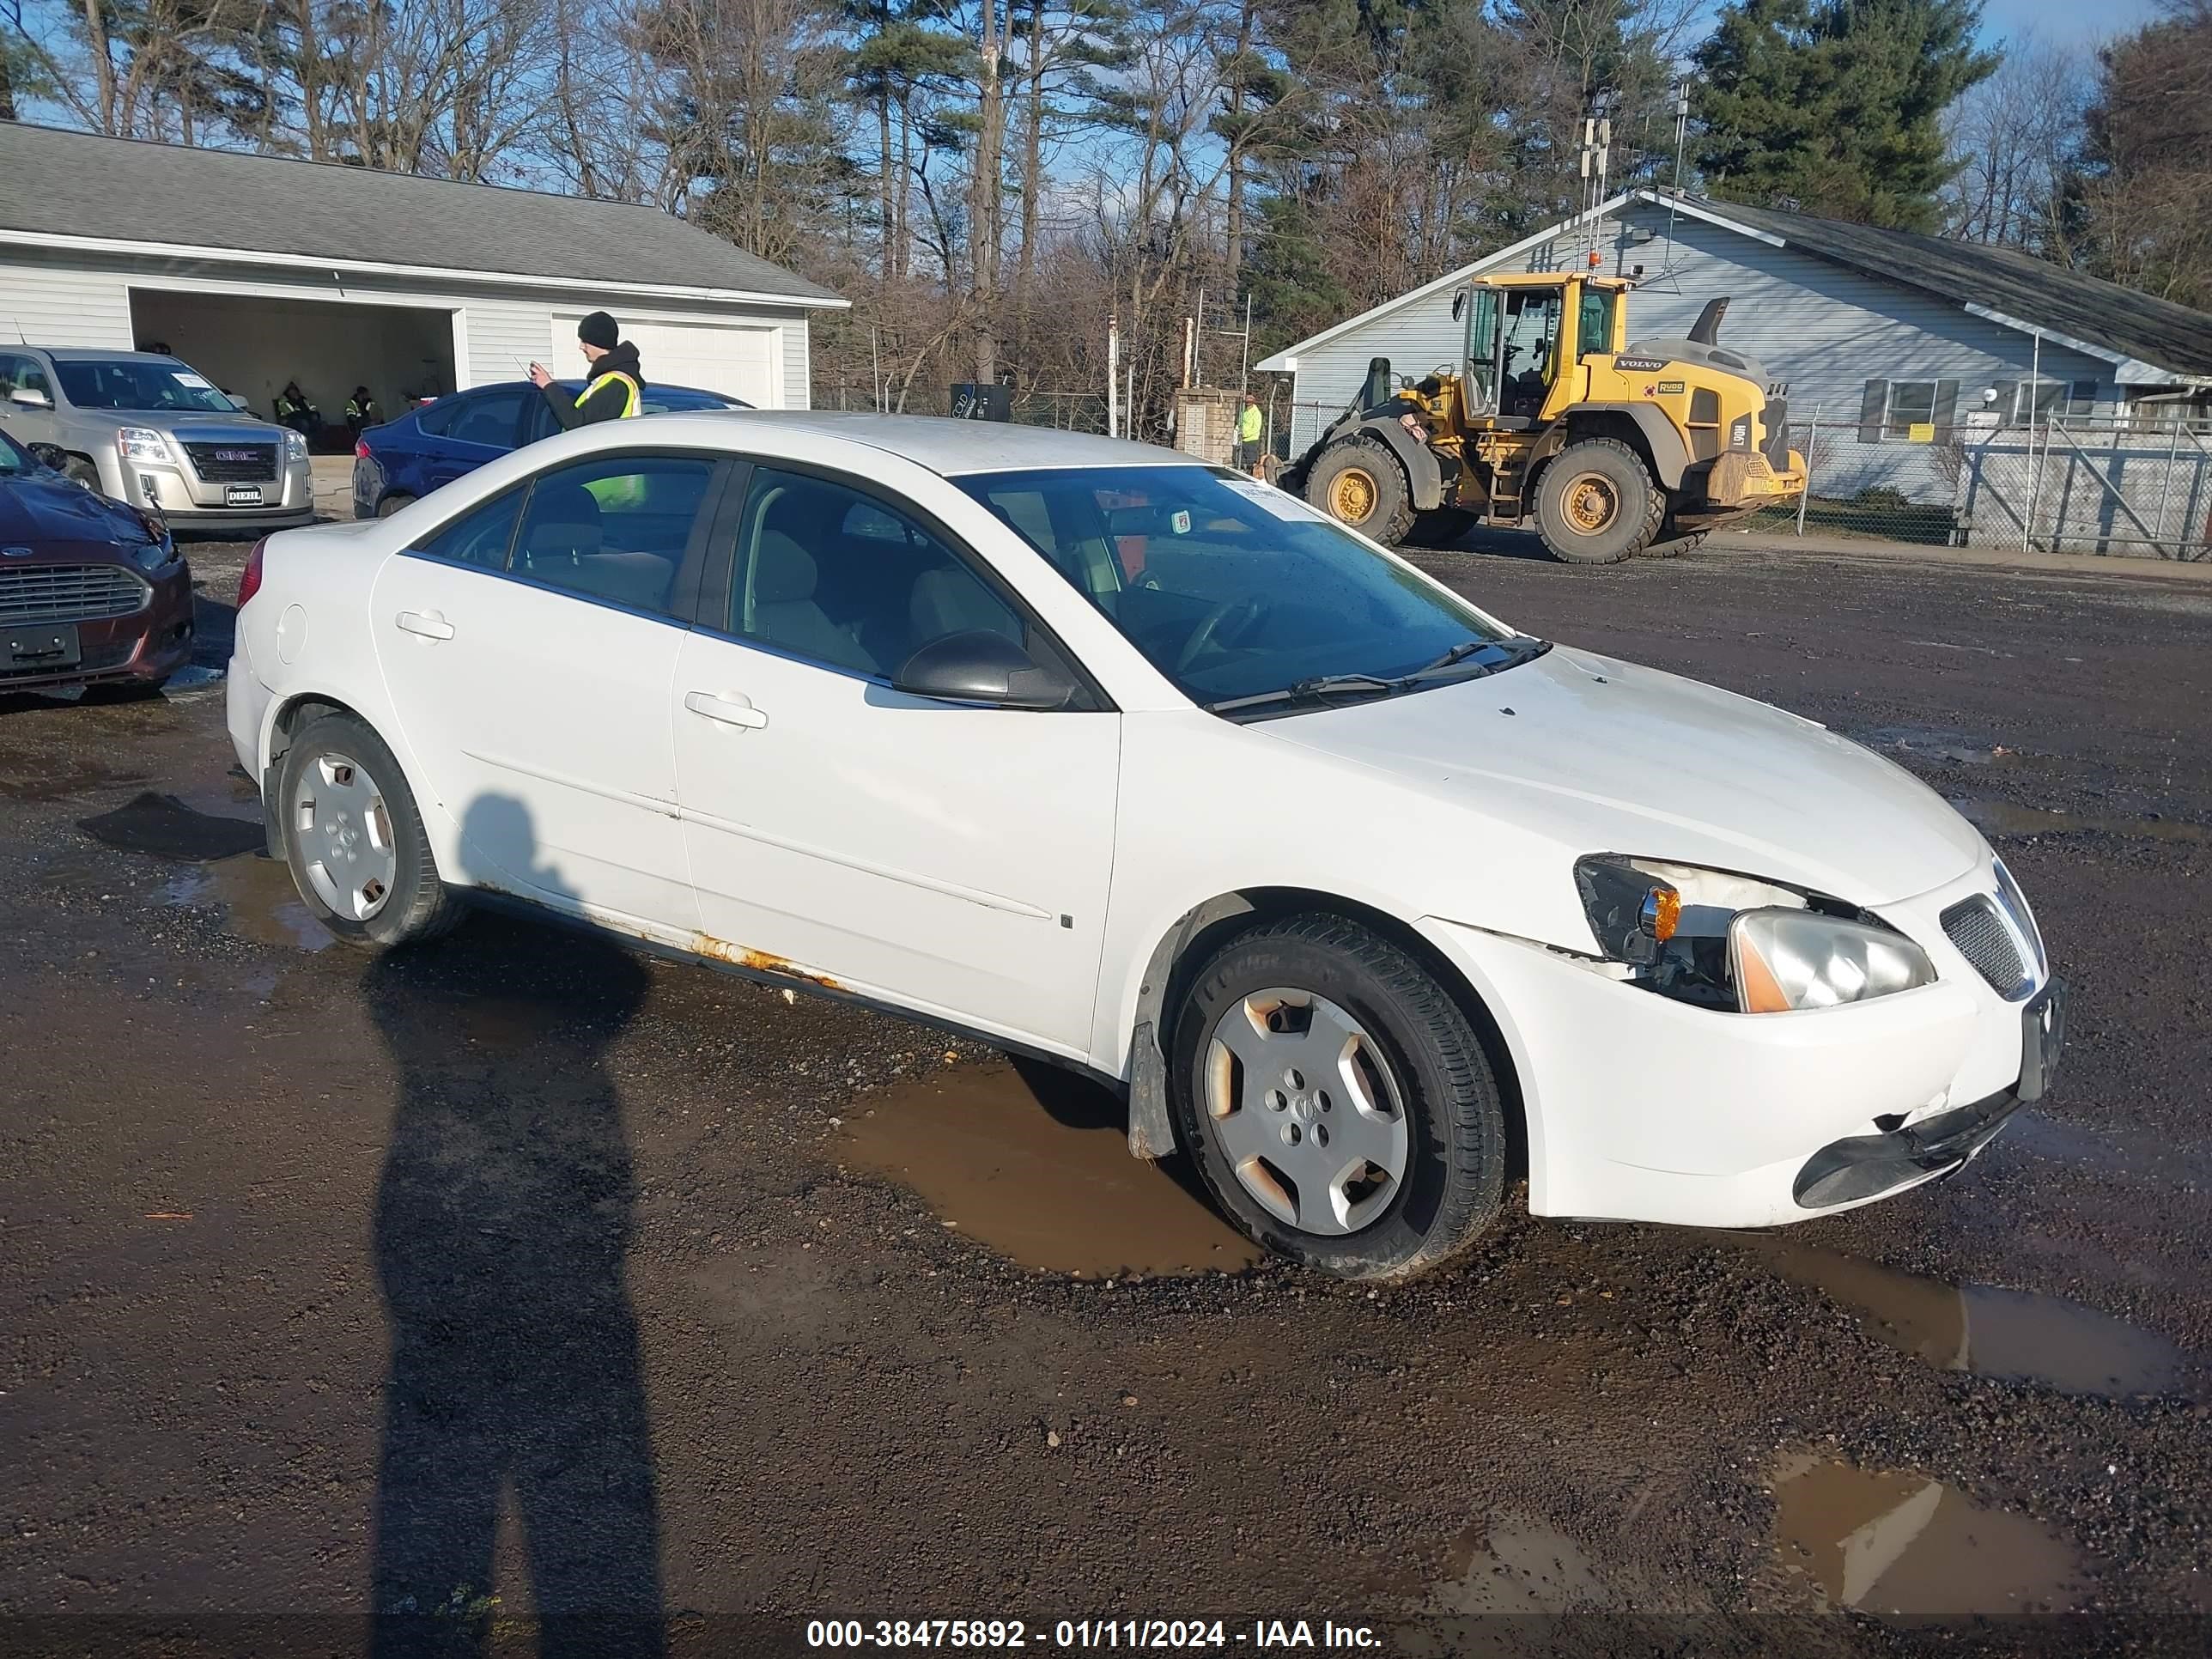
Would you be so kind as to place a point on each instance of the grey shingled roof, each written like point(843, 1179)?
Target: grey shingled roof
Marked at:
point(78, 184)
point(2169, 337)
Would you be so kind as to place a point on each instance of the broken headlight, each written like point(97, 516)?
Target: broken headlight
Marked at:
point(1735, 944)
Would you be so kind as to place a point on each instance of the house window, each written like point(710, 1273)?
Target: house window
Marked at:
point(2036, 400)
point(1911, 403)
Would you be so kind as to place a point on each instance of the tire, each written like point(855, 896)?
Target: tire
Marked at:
point(392, 503)
point(1445, 527)
point(1412, 1040)
point(84, 472)
point(333, 878)
point(1361, 471)
point(1584, 475)
point(1671, 541)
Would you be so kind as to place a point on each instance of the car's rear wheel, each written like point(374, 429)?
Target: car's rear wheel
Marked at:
point(1336, 1100)
point(392, 503)
point(354, 840)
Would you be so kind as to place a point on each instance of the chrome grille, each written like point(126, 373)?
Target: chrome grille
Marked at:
point(234, 463)
point(69, 592)
point(1975, 926)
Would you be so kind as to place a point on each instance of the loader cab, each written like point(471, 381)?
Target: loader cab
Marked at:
point(1525, 331)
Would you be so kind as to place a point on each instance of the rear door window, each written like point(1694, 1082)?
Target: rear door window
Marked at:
point(489, 418)
point(616, 529)
point(480, 537)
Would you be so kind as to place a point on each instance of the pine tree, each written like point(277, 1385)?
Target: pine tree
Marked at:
point(1835, 106)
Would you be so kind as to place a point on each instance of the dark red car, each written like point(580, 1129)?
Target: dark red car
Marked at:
point(92, 592)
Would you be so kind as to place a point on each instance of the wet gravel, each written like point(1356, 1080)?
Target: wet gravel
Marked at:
point(523, 1278)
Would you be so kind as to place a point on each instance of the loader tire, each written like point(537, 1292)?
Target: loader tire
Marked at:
point(1671, 541)
point(1360, 484)
point(1595, 503)
point(1445, 527)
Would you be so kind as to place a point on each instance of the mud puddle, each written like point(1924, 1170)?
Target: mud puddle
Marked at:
point(1901, 1545)
point(1034, 1163)
point(258, 898)
point(1930, 743)
point(1515, 1565)
point(2016, 1336)
point(2001, 817)
point(168, 827)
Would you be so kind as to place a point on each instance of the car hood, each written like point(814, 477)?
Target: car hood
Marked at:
point(1605, 757)
point(40, 509)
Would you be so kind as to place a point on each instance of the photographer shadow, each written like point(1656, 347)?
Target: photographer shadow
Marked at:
point(503, 1218)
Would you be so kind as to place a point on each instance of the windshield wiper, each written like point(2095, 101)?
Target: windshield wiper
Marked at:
point(1315, 690)
point(1517, 649)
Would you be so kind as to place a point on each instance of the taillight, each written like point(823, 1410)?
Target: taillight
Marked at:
point(361, 449)
point(249, 579)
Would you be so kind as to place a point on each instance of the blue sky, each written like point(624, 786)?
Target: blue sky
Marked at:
point(2064, 23)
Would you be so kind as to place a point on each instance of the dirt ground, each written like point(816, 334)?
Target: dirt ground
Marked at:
point(540, 1298)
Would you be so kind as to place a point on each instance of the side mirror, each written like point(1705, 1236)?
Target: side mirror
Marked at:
point(1458, 304)
point(980, 667)
point(30, 396)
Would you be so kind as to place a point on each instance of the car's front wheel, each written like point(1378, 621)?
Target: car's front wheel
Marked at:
point(1336, 1100)
point(82, 471)
point(354, 840)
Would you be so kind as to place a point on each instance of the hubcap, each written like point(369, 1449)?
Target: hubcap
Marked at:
point(343, 833)
point(1591, 502)
point(1351, 495)
point(1303, 1103)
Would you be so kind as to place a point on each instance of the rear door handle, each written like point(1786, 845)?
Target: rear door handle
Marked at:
point(730, 711)
point(428, 624)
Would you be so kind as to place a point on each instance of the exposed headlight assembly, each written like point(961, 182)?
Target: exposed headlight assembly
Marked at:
point(1733, 943)
point(295, 445)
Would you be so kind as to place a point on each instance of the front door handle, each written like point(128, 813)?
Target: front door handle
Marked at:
point(730, 711)
point(428, 624)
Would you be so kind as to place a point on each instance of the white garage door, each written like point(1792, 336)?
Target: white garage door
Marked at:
point(745, 362)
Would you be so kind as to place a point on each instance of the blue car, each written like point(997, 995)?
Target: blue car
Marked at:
point(435, 444)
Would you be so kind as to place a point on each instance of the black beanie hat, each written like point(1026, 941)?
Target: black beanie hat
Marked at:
point(598, 329)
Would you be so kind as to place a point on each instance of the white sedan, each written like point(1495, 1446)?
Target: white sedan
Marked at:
point(1368, 900)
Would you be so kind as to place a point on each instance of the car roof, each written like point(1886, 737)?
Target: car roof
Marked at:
point(93, 354)
point(953, 448)
point(573, 382)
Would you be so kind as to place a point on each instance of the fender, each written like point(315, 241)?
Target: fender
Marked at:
point(1422, 472)
point(1670, 456)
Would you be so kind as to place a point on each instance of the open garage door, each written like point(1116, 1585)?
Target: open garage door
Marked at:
point(742, 362)
point(251, 345)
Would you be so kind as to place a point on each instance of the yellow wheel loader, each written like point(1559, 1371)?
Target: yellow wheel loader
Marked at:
point(1612, 449)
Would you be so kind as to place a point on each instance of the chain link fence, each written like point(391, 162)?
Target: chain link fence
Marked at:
point(2130, 484)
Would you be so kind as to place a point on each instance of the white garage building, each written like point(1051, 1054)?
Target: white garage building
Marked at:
point(259, 270)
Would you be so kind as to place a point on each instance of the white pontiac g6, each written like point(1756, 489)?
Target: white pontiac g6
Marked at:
point(1366, 900)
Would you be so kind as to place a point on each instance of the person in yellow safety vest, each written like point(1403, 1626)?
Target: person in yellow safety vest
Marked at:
point(613, 389)
point(1247, 435)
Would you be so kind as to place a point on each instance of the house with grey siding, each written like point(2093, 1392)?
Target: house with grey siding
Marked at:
point(258, 270)
point(1892, 345)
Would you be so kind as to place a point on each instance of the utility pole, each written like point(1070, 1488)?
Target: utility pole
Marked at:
point(1113, 386)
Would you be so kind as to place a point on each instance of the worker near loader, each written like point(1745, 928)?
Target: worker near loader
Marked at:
point(1247, 434)
point(614, 387)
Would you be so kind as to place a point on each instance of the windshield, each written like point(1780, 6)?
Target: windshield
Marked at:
point(13, 459)
point(128, 382)
point(1229, 587)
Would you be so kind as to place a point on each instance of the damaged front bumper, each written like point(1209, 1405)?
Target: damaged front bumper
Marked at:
point(1640, 1107)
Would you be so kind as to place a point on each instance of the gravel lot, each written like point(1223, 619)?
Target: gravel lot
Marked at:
point(524, 1280)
